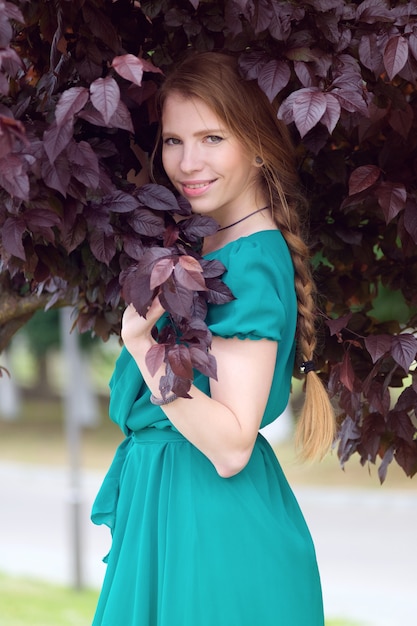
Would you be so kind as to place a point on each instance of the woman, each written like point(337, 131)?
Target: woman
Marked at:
point(206, 531)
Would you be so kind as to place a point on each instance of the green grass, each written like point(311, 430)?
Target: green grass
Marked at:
point(26, 602)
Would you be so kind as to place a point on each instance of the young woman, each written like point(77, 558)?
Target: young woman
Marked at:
point(206, 530)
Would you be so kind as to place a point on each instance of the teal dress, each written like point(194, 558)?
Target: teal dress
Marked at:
point(190, 548)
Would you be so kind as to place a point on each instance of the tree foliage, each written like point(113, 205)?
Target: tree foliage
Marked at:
point(77, 80)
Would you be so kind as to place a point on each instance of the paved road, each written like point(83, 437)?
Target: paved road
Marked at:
point(366, 540)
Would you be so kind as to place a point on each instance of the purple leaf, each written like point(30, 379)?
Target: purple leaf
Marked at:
point(13, 177)
point(363, 178)
point(70, 102)
point(12, 12)
point(391, 198)
point(203, 361)
point(404, 350)
point(157, 197)
point(57, 175)
point(387, 459)
point(305, 74)
point(378, 346)
point(369, 53)
point(309, 107)
point(12, 234)
point(56, 139)
point(37, 219)
point(410, 219)
point(85, 163)
point(135, 289)
point(119, 202)
point(198, 226)
point(395, 55)
point(102, 246)
point(372, 11)
point(121, 118)
point(335, 326)
point(176, 299)
point(105, 97)
point(145, 222)
point(251, 63)
point(131, 68)
point(401, 120)
point(273, 77)
point(218, 292)
point(332, 113)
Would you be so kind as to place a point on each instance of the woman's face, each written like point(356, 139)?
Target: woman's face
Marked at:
point(205, 163)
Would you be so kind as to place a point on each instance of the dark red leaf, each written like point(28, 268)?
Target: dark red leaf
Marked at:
point(347, 375)
point(399, 423)
point(176, 299)
point(406, 456)
point(161, 271)
point(180, 361)
point(154, 358)
point(363, 178)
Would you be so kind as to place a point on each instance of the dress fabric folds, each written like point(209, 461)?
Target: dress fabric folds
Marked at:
point(190, 548)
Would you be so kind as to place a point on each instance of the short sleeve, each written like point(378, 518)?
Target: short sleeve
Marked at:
point(261, 278)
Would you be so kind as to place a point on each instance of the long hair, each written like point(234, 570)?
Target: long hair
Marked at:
point(246, 111)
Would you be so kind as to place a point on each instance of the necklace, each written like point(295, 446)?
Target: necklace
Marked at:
point(242, 219)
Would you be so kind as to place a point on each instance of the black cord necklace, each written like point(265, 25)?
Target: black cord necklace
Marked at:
point(243, 218)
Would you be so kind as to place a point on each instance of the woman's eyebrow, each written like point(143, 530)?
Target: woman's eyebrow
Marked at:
point(199, 133)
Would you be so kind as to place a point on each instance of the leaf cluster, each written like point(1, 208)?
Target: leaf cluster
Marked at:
point(77, 81)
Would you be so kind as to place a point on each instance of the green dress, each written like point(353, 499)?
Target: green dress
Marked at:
point(190, 548)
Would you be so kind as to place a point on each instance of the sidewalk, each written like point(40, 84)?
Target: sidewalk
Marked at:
point(365, 540)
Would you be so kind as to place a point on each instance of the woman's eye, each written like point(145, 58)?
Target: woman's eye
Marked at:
point(172, 141)
point(213, 139)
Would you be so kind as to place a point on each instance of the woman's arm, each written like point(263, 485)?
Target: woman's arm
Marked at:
point(223, 427)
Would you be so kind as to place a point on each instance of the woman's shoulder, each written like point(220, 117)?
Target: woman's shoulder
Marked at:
point(259, 251)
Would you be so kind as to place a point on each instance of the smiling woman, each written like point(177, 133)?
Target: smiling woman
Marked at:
point(206, 530)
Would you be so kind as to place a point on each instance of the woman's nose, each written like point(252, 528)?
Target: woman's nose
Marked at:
point(190, 159)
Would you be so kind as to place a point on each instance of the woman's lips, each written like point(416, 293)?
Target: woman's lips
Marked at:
point(196, 188)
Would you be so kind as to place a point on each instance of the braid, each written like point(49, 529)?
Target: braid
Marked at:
point(316, 425)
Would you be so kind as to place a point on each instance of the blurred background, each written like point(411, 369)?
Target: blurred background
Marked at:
point(56, 443)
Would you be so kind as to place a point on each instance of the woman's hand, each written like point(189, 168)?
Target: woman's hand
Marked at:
point(136, 330)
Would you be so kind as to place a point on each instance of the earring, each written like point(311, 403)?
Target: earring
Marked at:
point(259, 160)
